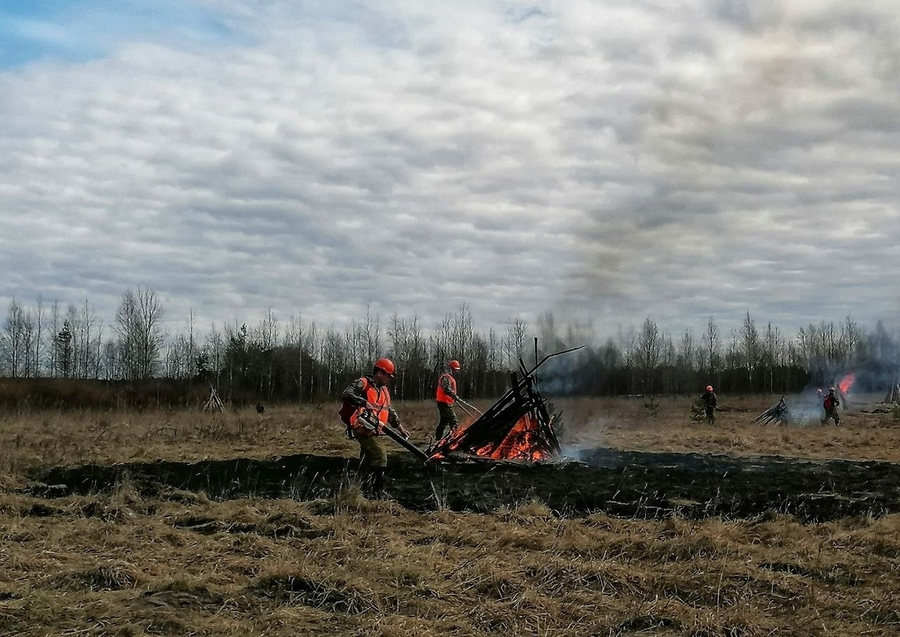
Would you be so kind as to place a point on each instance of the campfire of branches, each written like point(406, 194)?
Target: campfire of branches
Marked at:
point(518, 426)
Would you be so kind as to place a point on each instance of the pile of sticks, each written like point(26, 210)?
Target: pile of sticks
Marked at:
point(778, 414)
point(494, 434)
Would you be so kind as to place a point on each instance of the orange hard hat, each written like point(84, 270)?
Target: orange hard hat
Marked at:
point(709, 388)
point(454, 364)
point(385, 365)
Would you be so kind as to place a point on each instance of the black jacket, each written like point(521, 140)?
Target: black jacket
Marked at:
point(709, 399)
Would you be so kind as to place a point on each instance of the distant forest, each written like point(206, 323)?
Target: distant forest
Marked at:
point(60, 355)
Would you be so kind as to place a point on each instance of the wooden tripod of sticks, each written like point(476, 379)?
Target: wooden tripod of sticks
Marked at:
point(214, 403)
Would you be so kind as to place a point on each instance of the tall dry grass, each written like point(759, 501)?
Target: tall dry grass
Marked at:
point(124, 564)
point(121, 565)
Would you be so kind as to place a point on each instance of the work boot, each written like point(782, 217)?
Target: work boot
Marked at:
point(365, 485)
point(378, 483)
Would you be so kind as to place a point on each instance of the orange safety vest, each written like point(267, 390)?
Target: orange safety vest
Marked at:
point(381, 398)
point(441, 396)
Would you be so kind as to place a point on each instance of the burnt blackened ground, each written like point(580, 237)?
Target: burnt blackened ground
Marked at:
point(616, 482)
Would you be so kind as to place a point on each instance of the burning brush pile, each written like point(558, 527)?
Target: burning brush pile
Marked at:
point(807, 407)
point(518, 426)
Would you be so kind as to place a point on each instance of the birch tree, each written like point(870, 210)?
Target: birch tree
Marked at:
point(140, 334)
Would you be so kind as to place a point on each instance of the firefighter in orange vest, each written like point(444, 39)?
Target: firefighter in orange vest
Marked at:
point(367, 402)
point(445, 396)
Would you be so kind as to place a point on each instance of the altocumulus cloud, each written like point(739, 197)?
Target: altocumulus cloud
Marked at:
point(606, 160)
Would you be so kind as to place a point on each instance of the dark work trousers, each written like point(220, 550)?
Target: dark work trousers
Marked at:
point(448, 420)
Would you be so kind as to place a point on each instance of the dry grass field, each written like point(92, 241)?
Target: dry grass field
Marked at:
point(125, 562)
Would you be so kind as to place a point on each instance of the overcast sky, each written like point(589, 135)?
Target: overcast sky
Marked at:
point(604, 160)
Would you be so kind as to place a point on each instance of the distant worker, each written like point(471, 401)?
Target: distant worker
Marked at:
point(816, 402)
point(710, 404)
point(366, 410)
point(830, 404)
point(445, 396)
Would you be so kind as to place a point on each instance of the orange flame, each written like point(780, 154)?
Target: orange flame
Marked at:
point(847, 382)
point(523, 442)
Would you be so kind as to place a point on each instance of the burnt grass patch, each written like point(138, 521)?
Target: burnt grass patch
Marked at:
point(622, 483)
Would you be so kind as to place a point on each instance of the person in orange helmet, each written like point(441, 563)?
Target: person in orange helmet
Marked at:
point(369, 396)
point(445, 395)
point(710, 404)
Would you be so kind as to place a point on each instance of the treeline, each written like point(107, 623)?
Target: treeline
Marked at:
point(302, 361)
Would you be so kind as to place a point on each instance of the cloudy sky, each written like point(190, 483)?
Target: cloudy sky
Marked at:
point(605, 160)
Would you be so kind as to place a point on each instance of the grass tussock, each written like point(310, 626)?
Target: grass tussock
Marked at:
point(111, 576)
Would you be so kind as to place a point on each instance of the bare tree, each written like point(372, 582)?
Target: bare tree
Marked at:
point(264, 341)
point(215, 352)
point(578, 333)
point(773, 355)
point(294, 345)
point(39, 320)
point(29, 343)
point(74, 322)
point(372, 334)
point(828, 337)
point(493, 364)
point(514, 341)
point(851, 341)
point(687, 351)
point(177, 360)
point(417, 359)
point(84, 340)
point(54, 332)
point(192, 347)
point(462, 337)
point(733, 351)
point(712, 345)
point(548, 333)
point(333, 349)
point(140, 334)
point(441, 342)
point(98, 352)
point(266, 334)
point(649, 352)
point(356, 349)
point(751, 349)
point(13, 340)
point(312, 343)
point(687, 360)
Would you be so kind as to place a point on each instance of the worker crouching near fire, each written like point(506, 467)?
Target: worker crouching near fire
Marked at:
point(830, 404)
point(366, 410)
point(445, 396)
point(710, 403)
